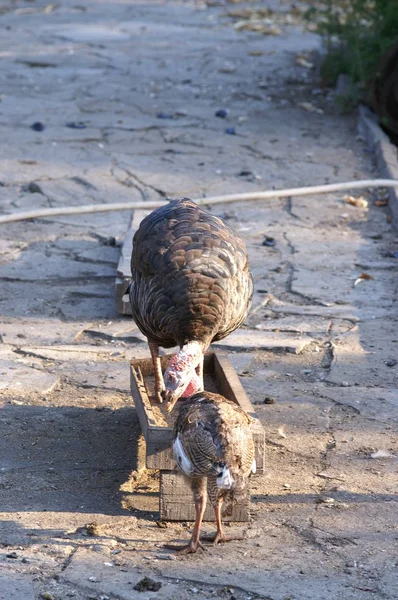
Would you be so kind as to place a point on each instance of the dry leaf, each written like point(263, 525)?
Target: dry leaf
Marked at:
point(358, 202)
point(362, 277)
point(303, 62)
point(264, 26)
point(249, 13)
point(281, 432)
point(49, 8)
point(310, 107)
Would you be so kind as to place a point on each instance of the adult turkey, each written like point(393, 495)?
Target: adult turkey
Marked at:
point(213, 445)
point(191, 285)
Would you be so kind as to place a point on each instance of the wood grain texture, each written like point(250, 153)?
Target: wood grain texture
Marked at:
point(176, 501)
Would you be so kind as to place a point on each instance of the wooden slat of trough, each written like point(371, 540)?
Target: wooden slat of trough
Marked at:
point(123, 276)
point(176, 501)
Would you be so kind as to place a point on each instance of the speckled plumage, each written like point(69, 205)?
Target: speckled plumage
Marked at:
point(190, 274)
point(213, 442)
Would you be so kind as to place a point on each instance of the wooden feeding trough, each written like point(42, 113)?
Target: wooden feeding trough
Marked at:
point(176, 503)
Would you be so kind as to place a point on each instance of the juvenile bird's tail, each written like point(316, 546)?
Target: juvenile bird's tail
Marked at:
point(224, 479)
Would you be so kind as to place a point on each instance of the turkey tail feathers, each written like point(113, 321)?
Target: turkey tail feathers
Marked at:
point(224, 479)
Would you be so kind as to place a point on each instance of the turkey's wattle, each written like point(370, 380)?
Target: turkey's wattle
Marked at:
point(191, 285)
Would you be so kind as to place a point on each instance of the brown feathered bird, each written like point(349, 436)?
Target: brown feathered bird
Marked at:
point(191, 285)
point(213, 443)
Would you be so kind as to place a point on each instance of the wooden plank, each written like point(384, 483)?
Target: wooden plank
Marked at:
point(160, 458)
point(176, 501)
point(159, 454)
point(138, 390)
point(123, 277)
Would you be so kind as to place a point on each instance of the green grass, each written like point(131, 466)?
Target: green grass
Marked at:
point(356, 33)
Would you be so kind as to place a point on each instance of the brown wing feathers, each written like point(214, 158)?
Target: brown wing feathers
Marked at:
point(214, 431)
point(191, 278)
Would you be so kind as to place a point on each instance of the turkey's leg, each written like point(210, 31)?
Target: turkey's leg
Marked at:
point(157, 368)
point(199, 492)
point(220, 536)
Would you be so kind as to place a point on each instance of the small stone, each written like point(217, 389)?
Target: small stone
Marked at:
point(246, 373)
point(269, 241)
point(162, 115)
point(148, 585)
point(391, 363)
point(326, 500)
point(76, 125)
point(287, 486)
point(221, 113)
point(227, 68)
point(269, 400)
point(47, 596)
point(92, 528)
point(108, 241)
point(12, 555)
point(230, 131)
point(37, 126)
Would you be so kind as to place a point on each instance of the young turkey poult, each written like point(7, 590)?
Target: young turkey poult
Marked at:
point(191, 285)
point(213, 445)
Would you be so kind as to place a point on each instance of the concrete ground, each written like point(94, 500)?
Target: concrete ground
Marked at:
point(318, 354)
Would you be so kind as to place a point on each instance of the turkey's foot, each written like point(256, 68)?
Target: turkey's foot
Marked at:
point(190, 548)
point(159, 396)
point(219, 537)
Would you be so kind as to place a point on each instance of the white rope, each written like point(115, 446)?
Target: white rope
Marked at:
point(267, 195)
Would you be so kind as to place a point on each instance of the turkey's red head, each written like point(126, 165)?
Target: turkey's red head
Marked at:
point(180, 377)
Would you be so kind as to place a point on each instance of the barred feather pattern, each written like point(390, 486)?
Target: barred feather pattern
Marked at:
point(190, 276)
point(215, 435)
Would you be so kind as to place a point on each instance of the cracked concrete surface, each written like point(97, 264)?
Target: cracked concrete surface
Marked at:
point(317, 354)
